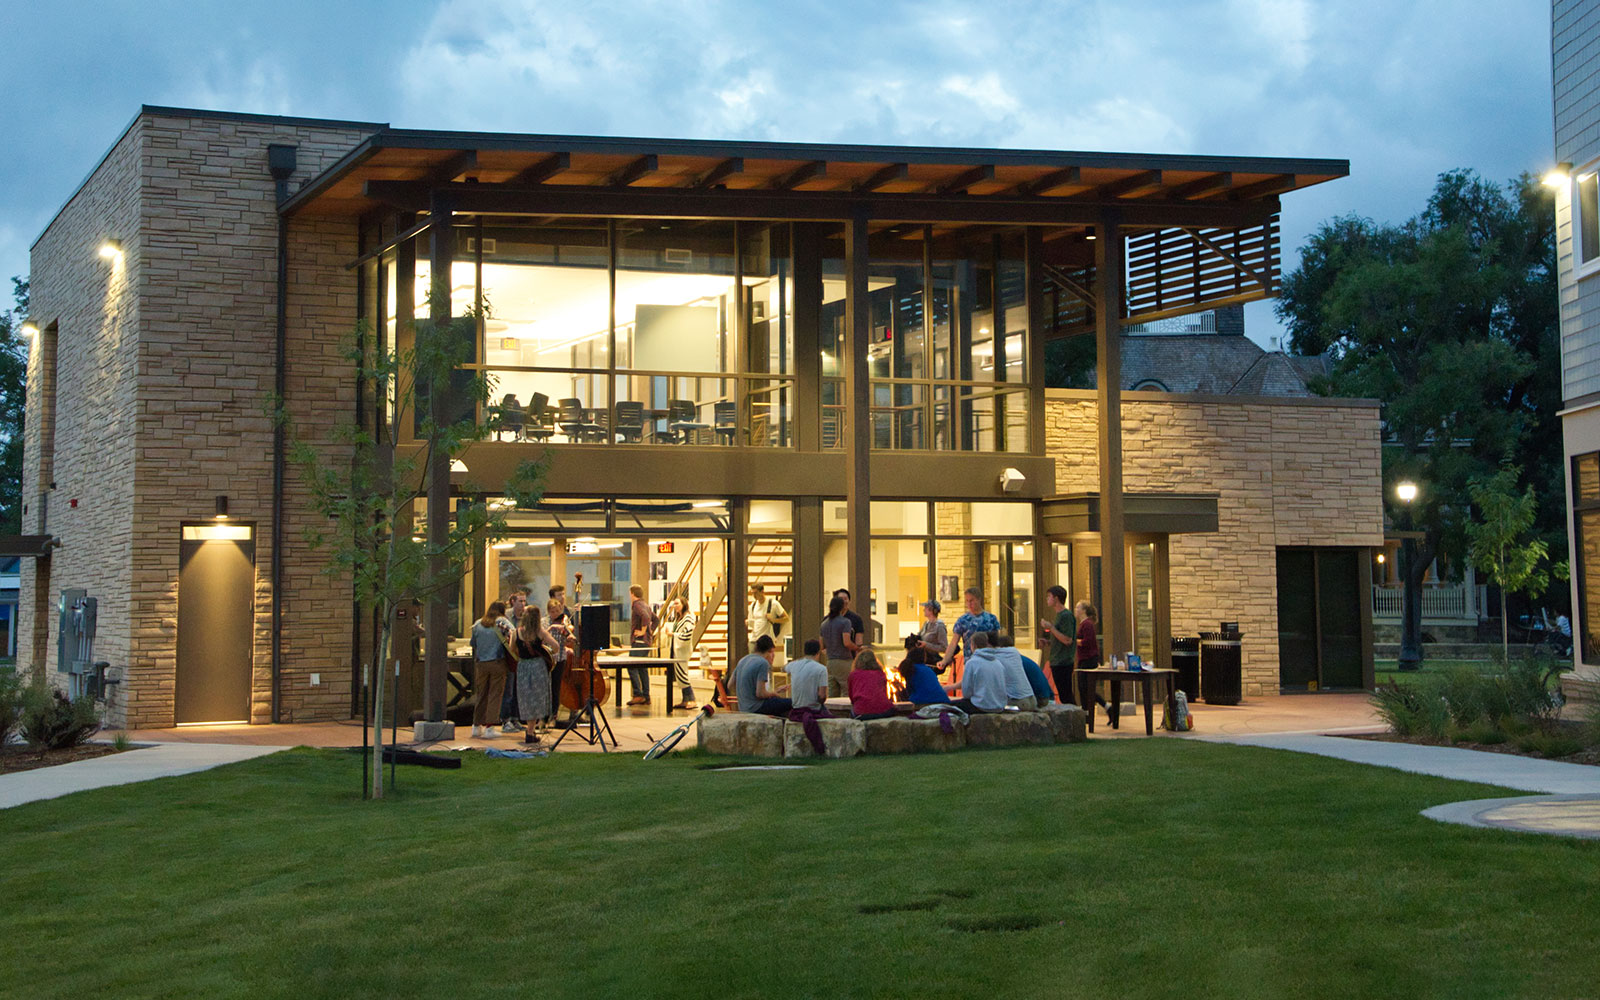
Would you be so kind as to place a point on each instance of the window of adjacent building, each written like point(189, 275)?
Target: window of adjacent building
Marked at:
point(1586, 546)
point(1586, 219)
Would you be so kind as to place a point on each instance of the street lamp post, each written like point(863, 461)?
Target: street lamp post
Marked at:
point(1411, 585)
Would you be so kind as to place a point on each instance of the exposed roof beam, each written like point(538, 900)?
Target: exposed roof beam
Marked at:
point(1051, 181)
point(640, 166)
point(799, 175)
point(960, 182)
point(1210, 184)
point(569, 200)
point(1272, 185)
point(719, 173)
point(454, 167)
point(542, 170)
point(884, 175)
point(1127, 185)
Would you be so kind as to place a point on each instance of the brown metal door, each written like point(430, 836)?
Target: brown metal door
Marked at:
point(216, 604)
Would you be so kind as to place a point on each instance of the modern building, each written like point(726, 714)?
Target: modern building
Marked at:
point(1575, 59)
point(800, 365)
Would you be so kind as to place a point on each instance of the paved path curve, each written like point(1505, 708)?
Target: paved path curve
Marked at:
point(160, 760)
point(1528, 774)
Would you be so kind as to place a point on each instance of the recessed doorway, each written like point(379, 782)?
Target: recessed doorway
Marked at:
point(216, 612)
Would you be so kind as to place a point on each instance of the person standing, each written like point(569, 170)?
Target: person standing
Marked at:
point(766, 616)
point(838, 635)
point(490, 649)
point(510, 711)
point(1060, 631)
point(1089, 651)
point(642, 632)
point(974, 621)
point(680, 625)
point(535, 649)
point(855, 619)
point(565, 635)
point(934, 638)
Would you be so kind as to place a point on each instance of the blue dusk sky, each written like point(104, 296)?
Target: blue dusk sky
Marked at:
point(1402, 90)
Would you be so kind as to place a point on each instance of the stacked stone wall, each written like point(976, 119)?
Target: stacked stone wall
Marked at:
point(1286, 473)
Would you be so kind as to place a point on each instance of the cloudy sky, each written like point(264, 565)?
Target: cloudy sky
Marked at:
point(1402, 90)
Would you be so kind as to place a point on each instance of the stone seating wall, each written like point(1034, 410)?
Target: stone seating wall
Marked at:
point(745, 735)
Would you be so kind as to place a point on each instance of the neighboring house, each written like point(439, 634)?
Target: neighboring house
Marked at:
point(679, 326)
point(1575, 64)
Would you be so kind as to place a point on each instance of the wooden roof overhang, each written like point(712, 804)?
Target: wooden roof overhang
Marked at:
point(1202, 230)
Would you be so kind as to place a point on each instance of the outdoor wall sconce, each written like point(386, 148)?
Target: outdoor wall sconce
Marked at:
point(29, 330)
point(1011, 481)
point(222, 508)
point(111, 249)
point(1557, 177)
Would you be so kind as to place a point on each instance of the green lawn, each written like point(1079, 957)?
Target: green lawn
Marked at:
point(1137, 868)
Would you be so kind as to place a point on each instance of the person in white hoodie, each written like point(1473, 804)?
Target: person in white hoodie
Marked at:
point(1019, 693)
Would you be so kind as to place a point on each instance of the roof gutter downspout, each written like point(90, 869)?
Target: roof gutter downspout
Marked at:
point(281, 161)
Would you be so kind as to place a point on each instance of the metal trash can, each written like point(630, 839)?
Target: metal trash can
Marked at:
point(1221, 669)
point(1186, 661)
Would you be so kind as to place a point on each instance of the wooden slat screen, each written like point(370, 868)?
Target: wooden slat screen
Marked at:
point(1173, 271)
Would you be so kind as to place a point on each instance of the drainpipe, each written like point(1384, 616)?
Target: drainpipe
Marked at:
point(281, 161)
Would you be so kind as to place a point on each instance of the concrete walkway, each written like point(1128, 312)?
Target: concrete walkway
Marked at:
point(159, 761)
point(1528, 774)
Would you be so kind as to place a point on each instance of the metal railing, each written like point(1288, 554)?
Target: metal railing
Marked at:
point(1450, 601)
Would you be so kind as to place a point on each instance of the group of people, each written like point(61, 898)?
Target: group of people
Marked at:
point(520, 654)
point(995, 675)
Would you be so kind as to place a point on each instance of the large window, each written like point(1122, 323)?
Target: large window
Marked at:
point(947, 343)
point(630, 331)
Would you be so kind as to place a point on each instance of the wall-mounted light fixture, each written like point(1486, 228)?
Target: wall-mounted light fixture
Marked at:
point(1011, 480)
point(222, 508)
point(1557, 176)
point(111, 249)
point(29, 330)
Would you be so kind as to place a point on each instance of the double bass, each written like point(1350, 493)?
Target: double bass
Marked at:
point(581, 679)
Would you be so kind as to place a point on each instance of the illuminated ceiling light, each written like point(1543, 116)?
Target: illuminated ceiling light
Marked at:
point(1090, 236)
point(222, 508)
point(708, 504)
point(457, 465)
point(111, 249)
point(502, 546)
point(535, 543)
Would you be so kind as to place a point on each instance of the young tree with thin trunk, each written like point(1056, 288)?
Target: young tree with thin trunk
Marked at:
point(372, 498)
point(1502, 543)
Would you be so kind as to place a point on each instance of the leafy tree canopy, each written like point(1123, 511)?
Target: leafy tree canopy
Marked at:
point(1450, 319)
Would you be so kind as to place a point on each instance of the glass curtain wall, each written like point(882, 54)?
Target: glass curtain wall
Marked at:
point(630, 331)
point(947, 344)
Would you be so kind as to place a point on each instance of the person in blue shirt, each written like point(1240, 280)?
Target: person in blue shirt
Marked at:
point(1037, 680)
point(975, 620)
point(922, 685)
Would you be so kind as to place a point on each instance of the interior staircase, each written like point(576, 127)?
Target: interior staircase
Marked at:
point(770, 562)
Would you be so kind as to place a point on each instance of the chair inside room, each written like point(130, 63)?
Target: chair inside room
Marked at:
point(575, 423)
point(540, 425)
point(726, 414)
point(683, 420)
point(629, 421)
point(512, 418)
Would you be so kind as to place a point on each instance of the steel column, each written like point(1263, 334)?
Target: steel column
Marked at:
point(858, 394)
point(1110, 262)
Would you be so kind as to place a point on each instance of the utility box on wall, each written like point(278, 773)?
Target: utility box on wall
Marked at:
point(75, 639)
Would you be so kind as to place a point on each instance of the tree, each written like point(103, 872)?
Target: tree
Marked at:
point(13, 398)
point(1501, 544)
point(1449, 319)
point(369, 498)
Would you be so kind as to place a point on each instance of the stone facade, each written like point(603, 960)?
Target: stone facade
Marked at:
point(1287, 472)
point(166, 365)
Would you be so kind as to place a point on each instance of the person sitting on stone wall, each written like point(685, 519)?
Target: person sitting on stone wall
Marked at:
point(1019, 691)
point(869, 689)
point(922, 686)
point(752, 677)
point(808, 678)
point(983, 680)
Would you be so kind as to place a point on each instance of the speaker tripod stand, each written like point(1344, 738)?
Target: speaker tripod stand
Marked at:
point(592, 715)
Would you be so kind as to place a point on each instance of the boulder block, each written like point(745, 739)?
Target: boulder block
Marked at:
point(912, 736)
point(1009, 729)
point(1067, 722)
point(743, 734)
point(841, 737)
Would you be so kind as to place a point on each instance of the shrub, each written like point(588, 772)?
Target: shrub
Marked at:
point(1484, 732)
point(1471, 695)
point(1549, 744)
point(53, 721)
point(1524, 688)
point(1412, 709)
point(13, 699)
